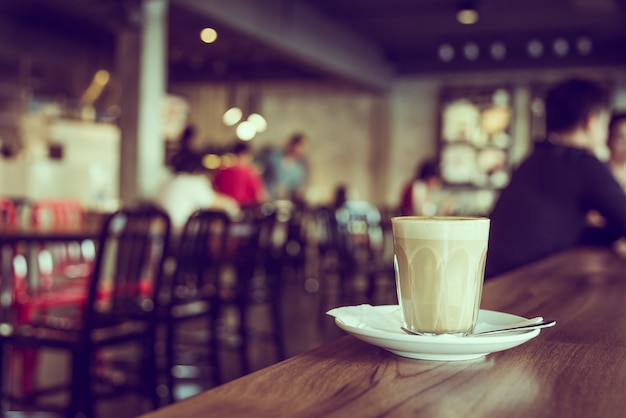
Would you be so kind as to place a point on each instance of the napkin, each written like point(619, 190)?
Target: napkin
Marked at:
point(365, 316)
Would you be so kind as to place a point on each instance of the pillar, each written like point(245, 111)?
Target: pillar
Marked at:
point(141, 57)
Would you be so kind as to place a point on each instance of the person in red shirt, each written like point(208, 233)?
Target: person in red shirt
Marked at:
point(241, 181)
point(419, 196)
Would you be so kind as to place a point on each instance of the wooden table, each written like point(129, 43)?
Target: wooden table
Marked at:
point(576, 369)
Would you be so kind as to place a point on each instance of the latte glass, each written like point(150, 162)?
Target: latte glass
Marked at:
point(440, 266)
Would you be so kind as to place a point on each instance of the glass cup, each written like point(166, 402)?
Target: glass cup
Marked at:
point(440, 266)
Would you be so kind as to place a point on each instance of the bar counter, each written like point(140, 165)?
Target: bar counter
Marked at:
point(576, 369)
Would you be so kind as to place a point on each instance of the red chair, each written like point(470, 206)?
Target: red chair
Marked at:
point(69, 260)
point(62, 270)
point(8, 213)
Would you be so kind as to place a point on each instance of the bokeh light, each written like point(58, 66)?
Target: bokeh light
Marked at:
point(467, 16)
point(471, 51)
point(498, 51)
point(560, 47)
point(446, 52)
point(584, 45)
point(245, 131)
point(232, 116)
point(208, 35)
point(535, 48)
point(211, 161)
point(259, 122)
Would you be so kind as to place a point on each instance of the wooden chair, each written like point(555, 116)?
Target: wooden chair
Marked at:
point(120, 310)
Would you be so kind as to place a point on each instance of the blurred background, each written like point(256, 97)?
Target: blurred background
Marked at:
point(377, 87)
point(96, 97)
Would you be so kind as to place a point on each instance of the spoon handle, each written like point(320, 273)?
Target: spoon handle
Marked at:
point(544, 324)
point(524, 326)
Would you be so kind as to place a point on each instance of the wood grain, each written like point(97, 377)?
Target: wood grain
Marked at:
point(576, 369)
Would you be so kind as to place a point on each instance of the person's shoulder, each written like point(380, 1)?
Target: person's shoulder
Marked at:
point(563, 154)
point(223, 170)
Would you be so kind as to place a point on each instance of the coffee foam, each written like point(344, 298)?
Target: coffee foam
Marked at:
point(440, 227)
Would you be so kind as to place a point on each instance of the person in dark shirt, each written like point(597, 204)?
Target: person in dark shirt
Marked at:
point(544, 208)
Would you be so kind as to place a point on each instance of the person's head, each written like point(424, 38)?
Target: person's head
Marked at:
point(296, 147)
point(581, 106)
point(428, 172)
point(617, 138)
point(242, 151)
point(341, 195)
point(190, 166)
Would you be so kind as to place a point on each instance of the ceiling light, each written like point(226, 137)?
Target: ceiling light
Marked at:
point(467, 13)
point(535, 48)
point(208, 35)
point(259, 122)
point(246, 131)
point(232, 116)
point(446, 52)
point(584, 45)
point(498, 51)
point(560, 47)
point(101, 77)
point(471, 51)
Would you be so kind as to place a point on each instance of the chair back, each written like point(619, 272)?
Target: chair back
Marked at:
point(358, 226)
point(201, 249)
point(8, 213)
point(261, 237)
point(131, 249)
point(58, 213)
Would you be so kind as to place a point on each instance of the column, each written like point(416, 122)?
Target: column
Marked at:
point(141, 57)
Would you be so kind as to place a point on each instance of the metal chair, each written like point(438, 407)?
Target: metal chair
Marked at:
point(220, 265)
point(258, 264)
point(192, 294)
point(120, 310)
point(353, 247)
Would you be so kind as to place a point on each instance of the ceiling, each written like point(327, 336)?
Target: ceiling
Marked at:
point(411, 31)
point(405, 36)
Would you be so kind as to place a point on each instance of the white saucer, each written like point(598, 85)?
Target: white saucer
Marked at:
point(443, 347)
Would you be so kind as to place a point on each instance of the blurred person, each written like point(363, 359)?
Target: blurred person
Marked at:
point(190, 190)
point(185, 159)
point(421, 196)
point(617, 147)
point(340, 196)
point(544, 208)
point(241, 181)
point(342, 200)
point(286, 171)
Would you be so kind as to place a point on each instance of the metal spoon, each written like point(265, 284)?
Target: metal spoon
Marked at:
point(523, 327)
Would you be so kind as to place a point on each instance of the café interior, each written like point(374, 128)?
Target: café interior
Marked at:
point(94, 98)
